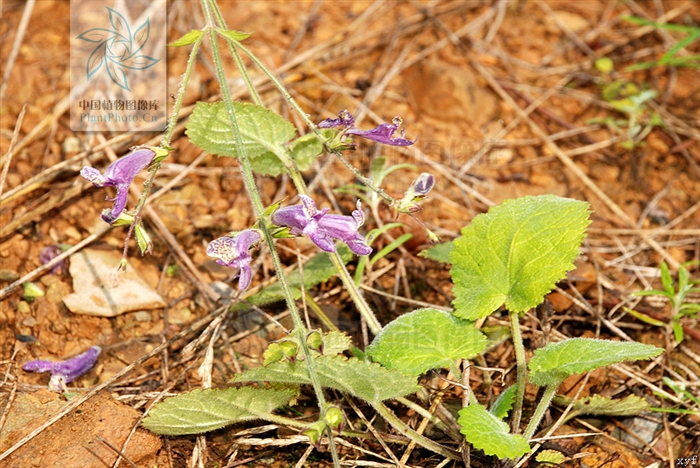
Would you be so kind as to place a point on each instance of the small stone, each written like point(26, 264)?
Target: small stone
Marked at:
point(180, 316)
point(29, 322)
point(9, 275)
point(71, 145)
point(102, 290)
point(48, 280)
point(142, 316)
point(23, 308)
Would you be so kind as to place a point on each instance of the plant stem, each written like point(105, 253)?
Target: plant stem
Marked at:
point(402, 428)
point(167, 136)
point(165, 142)
point(522, 371)
point(254, 196)
point(542, 407)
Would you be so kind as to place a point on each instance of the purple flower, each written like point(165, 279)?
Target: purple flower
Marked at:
point(233, 252)
point(63, 372)
point(322, 227)
point(49, 253)
point(384, 133)
point(119, 174)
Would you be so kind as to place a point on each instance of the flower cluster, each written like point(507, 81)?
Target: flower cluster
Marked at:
point(322, 227)
point(383, 133)
point(63, 372)
point(120, 174)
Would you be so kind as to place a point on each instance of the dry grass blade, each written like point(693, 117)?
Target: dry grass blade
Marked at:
point(8, 156)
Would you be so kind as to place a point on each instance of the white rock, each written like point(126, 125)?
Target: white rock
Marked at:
point(101, 290)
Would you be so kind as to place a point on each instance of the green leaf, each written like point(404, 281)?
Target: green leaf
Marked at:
point(503, 403)
point(335, 342)
point(599, 405)
point(304, 150)
point(188, 39)
point(550, 457)
point(556, 361)
point(262, 130)
point(439, 252)
point(317, 270)
point(368, 381)
point(206, 410)
point(490, 434)
point(233, 34)
point(515, 254)
point(425, 339)
point(390, 247)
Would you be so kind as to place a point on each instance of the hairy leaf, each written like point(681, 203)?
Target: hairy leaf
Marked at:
point(425, 339)
point(206, 410)
point(368, 381)
point(515, 254)
point(439, 252)
point(262, 130)
point(504, 402)
point(599, 405)
point(304, 150)
point(556, 361)
point(188, 39)
point(488, 433)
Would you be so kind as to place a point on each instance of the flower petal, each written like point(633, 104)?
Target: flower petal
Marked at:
point(65, 371)
point(224, 249)
point(120, 200)
point(125, 169)
point(345, 119)
point(383, 134)
point(94, 176)
point(359, 247)
point(291, 216)
point(245, 277)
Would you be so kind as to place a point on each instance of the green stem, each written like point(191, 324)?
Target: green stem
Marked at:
point(542, 407)
point(402, 428)
point(167, 136)
point(237, 57)
point(165, 142)
point(522, 370)
point(249, 179)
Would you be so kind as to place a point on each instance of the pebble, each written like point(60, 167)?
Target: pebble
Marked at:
point(8, 275)
point(103, 291)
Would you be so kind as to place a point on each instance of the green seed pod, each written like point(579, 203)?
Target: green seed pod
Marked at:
point(315, 341)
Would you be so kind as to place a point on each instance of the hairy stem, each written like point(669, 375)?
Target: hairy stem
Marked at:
point(542, 407)
point(522, 371)
point(254, 196)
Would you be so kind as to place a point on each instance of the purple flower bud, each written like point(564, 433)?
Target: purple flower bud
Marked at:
point(49, 253)
point(120, 174)
point(322, 227)
point(63, 372)
point(233, 252)
point(383, 133)
point(423, 184)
